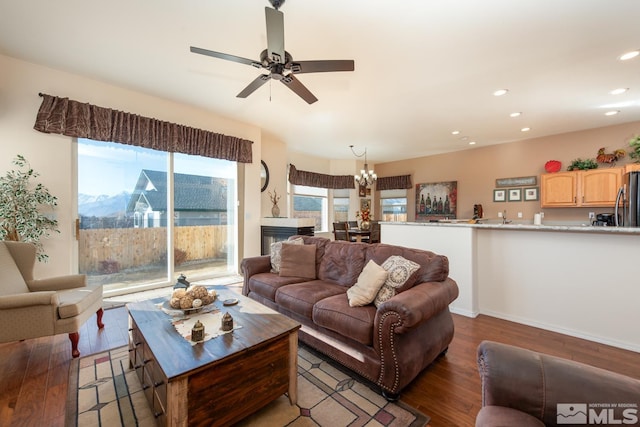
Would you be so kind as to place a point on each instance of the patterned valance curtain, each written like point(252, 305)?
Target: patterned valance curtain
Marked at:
point(72, 118)
point(320, 180)
point(393, 182)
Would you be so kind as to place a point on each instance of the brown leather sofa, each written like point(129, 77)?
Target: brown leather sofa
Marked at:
point(524, 388)
point(389, 344)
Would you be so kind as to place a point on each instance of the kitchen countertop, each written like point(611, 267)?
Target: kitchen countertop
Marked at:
point(526, 227)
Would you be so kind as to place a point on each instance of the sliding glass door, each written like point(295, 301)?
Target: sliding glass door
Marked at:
point(147, 216)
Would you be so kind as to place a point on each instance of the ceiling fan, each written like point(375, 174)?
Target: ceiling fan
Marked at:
point(279, 62)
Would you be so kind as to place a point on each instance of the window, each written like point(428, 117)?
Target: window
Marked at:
point(340, 205)
point(393, 205)
point(311, 202)
point(130, 223)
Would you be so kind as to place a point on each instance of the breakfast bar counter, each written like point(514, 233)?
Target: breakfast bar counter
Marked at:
point(577, 280)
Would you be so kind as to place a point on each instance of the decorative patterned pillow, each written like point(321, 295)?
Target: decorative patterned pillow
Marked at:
point(276, 252)
point(400, 271)
point(366, 288)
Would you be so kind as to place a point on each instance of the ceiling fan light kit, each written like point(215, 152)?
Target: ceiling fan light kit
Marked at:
point(279, 62)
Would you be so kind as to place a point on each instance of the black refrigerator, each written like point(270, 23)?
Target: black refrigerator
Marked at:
point(629, 200)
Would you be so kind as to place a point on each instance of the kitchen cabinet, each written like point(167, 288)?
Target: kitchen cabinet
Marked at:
point(594, 187)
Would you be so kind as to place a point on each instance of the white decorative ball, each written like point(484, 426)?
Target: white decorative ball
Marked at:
point(197, 303)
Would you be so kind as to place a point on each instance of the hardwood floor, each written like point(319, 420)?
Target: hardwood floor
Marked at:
point(34, 373)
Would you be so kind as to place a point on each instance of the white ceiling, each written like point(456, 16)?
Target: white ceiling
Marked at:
point(423, 68)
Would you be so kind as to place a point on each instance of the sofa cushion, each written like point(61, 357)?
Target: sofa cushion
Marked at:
point(369, 283)
point(401, 274)
point(276, 252)
point(266, 284)
point(334, 313)
point(298, 261)
point(12, 280)
point(433, 267)
point(72, 302)
point(301, 297)
point(496, 416)
point(342, 262)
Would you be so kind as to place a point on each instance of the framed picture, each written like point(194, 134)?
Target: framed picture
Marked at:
point(516, 182)
point(499, 195)
point(436, 200)
point(515, 194)
point(365, 204)
point(531, 193)
point(362, 191)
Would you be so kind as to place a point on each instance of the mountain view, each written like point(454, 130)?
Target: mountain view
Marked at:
point(103, 205)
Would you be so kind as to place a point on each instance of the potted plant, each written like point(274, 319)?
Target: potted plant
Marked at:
point(580, 164)
point(21, 202)
point(634, 143)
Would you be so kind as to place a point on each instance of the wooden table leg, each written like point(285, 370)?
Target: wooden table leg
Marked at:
point(293, 367)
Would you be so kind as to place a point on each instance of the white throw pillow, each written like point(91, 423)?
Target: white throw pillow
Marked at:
point(366, 288)
point(276, 252)
point(400, 270)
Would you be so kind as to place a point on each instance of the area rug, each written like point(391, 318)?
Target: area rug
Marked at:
point(103, 391)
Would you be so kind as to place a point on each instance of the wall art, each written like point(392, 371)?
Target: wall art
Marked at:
point(517, 182)
point(514, 194)
point(436, 200)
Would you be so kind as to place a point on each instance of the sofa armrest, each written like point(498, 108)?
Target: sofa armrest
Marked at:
point(28, 300)
point(251, 266)
point(420, 303)
point(59, 283)
point(536, 383)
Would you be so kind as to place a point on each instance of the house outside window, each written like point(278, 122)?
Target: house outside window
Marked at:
point(311, 202)
point(124, 206)
point(341, 205)
point(393, 205)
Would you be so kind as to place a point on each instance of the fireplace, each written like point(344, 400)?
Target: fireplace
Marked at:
point(278, 229)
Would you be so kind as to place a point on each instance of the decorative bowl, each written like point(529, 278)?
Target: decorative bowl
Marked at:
point(552, 166)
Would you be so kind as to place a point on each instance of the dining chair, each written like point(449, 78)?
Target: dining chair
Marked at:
point(374, 237)
point(340, 231)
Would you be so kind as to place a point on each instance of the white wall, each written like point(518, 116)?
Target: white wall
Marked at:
point(458, 244)
point(580, 283)
point(52, 155)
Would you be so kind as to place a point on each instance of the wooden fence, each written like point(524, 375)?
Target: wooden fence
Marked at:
point(108, 249)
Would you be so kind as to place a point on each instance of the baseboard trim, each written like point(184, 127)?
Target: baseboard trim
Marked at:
point(463, 312)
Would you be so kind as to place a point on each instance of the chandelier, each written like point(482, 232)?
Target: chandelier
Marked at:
point(367, 176)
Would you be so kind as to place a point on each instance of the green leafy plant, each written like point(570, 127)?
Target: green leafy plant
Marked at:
point(634, 143)
point(21, 201)
point(580, 164)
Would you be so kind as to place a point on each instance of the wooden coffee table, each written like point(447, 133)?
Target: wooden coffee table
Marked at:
point(219, 381)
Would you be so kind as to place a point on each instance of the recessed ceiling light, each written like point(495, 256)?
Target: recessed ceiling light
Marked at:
point(472, 143)
point(516, 114)
point(500, 92)
point(611, 113)
point(629, 55)
point(525, 129)
point(619, 91)
point(455, 132)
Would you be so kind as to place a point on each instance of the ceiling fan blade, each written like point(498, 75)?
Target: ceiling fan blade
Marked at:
point(275, 35)
point(295, 85)
point(225, 56)
point(259, 81)
point(300, 67)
